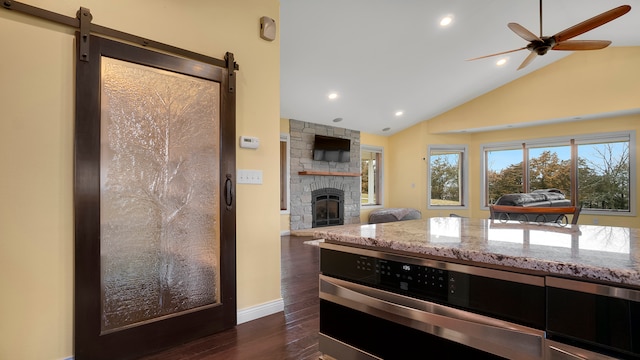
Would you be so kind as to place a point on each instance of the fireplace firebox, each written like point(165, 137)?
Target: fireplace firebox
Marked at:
point(327, 207)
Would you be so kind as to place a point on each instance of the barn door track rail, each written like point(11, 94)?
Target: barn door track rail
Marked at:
point(83, 23)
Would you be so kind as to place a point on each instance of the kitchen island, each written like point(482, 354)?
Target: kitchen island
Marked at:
point(589, 252)
point(481, 289)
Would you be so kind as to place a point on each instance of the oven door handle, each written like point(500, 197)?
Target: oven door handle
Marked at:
point(488, 334)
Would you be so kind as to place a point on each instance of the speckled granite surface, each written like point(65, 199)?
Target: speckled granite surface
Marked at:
point(604, 253)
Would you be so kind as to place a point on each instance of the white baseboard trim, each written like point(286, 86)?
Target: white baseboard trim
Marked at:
point(285, 232)
point(262, 310)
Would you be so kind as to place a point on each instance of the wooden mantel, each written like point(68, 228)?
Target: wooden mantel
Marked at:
point(327, 173)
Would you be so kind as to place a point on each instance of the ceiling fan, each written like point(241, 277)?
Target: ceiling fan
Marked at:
point(539, 45)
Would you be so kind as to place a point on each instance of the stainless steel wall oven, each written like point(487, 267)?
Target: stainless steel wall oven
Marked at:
point(592, 321)
point(378, 305)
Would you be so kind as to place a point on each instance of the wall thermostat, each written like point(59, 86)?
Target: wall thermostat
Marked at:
point(249, 142)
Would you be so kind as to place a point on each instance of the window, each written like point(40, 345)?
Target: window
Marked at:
point(284, 173)
point(371, 168)
point(504, 172)
point(547, 167)
point(596, 172)
point(604, 176)
point(447, 176)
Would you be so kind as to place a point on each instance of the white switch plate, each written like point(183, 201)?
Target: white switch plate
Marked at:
point(249, 176)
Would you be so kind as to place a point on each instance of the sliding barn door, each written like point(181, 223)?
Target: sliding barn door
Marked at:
point(154, 211)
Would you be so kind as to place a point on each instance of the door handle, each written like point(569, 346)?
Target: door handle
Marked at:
point(228, 192)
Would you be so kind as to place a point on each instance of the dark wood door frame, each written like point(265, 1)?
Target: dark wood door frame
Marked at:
point(89, 342)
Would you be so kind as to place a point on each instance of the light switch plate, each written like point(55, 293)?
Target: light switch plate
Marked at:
point(249, 176)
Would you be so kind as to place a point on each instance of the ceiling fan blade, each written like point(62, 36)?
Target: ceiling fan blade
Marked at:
point(522, 32)
point(496, 54)
point(592, 23)
point(582, 45)
point(528, 60)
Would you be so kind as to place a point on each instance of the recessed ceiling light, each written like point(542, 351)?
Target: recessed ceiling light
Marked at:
point(501, 62)
point(386, 129)
point(398, 113)
point(337, 119)
point(446, 21)
point(333, 96)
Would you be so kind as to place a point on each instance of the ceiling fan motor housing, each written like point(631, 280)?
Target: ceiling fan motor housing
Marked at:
point(543, 45)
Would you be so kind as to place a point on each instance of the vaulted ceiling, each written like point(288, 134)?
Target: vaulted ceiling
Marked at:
point(386, 56)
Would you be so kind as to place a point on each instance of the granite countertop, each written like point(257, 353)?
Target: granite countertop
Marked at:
point(587, 252)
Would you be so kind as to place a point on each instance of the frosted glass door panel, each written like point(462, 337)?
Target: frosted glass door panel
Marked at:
point(159, 194)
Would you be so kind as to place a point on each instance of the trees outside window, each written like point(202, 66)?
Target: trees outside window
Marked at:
point(604, 176)
point(504, 172)
point(550, 168)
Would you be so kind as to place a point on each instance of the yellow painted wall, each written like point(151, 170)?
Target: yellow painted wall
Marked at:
point(36, 154)
point(588, 82)
point(406, 168)
point(284, 126)
point(285, 223)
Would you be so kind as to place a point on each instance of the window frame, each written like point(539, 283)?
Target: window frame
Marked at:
point(572, 141)
point(285, 137)
point(379, 176)
point(464, 192)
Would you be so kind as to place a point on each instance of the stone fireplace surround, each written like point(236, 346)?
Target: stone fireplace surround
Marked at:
point(302, 135)
point(327, 207)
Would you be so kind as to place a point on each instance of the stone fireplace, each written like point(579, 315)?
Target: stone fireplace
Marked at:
point(334, 186)
point(327, 207)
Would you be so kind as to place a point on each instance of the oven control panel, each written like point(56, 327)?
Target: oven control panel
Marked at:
point(406, 278)
point(412, 278)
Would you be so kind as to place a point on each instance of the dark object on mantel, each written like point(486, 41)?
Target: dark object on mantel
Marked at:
point(393, 214)
point(333, 149)
point(548, 205)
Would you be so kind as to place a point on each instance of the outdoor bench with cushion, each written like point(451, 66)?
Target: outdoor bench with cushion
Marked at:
point(547, 205)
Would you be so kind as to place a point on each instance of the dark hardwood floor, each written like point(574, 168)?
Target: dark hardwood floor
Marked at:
point(289, 335)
